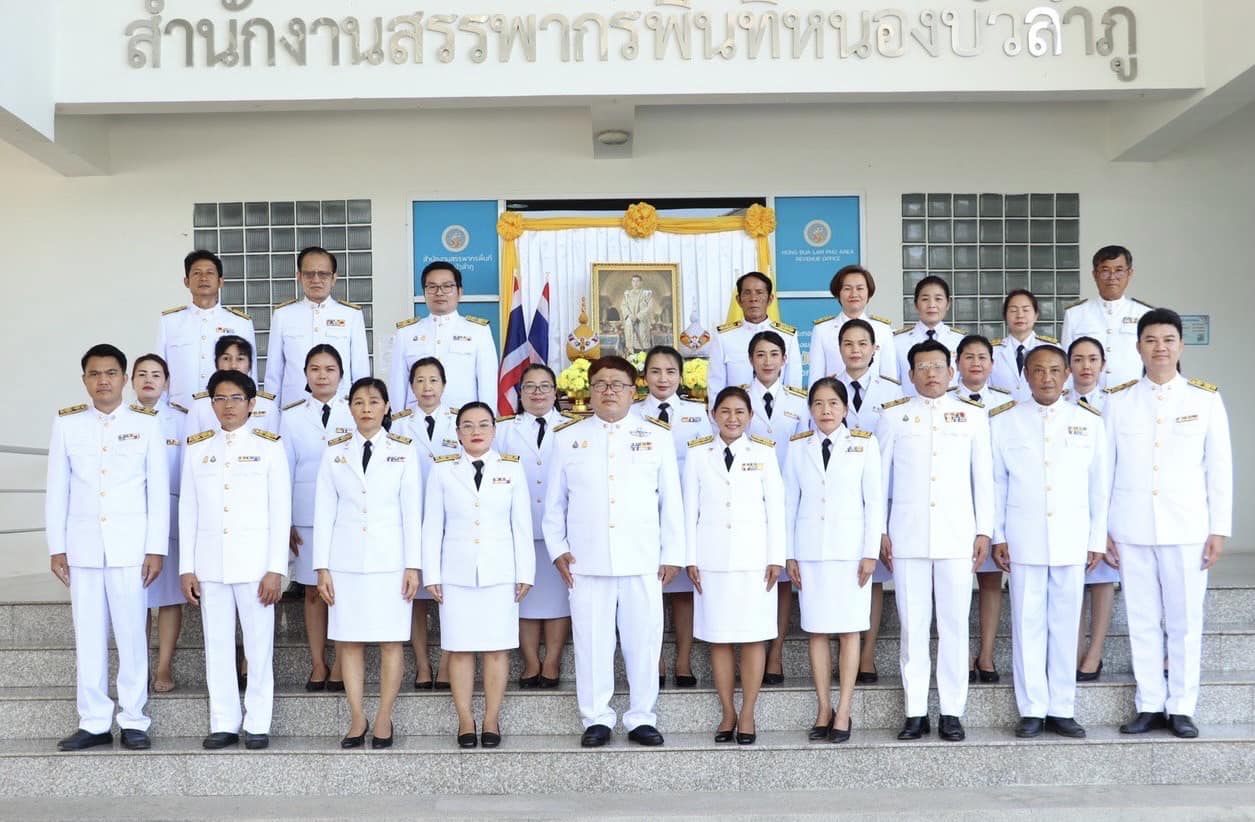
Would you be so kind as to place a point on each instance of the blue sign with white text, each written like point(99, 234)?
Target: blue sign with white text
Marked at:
point(463, 232)
point(815, 236)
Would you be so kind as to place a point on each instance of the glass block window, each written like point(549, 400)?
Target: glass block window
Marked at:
point(258, 244)
point(985, 245)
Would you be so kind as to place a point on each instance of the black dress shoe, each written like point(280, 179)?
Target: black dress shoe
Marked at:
point(725, 736)
point(914, 728)
point(529, 682)
point(488, 739)
point(256, 742)
point(1089, 676)
point(818, 733)
point(662, 681)
point(313, 685)
point(468, 740)
point(685, 681)
point(1144, 722)
point(546, 682)
point(355, 741)
point(1065, 726)
point(648, 736)
point(867, 678)
point(971, 676)
point(135, 740)
point(1181, 726)
point(294, 591)
point(987, 677)
point(1029, 727)
point(951, 729)
point(218, 741)
point(378, 742)
point(595, 736)
point(241, 681)
point(335, 686)
point(773, 679)
point(836, 735)
point(441, 686)
point(420, 685)
point(81, 740)
point(744, 739)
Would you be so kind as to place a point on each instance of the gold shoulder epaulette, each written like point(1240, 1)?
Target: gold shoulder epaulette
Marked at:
point(763, 441)
point(1075, 304)
point(1006, 406)
point(200, 395)
point(795, 391)
point(744, 386)
point(566, 424)
point(706, 440)
point(568, 415)
point(509, 457)
point(801, 435)
point(891, 379)
point(400, 415)
point(266, 395)
point(447, 458)
point(1141, 302)
point(1051, 340)
point(997, 342)
point(399, 438)
point(639, 399)
point(348, 304)
point(825, 319)
point(404, 323)
point(858, 432)
point(1085, 404)
point(903, 330)
point(999, 390)
point(658, 422)
point(506, 417)
point(174, 310)
point(73, 409)
point(895, 403)
point(1206, 386)
point(952, 388)
point(178, 407)
point(976, 403)
point(785, 327)
point(286, 303)
point(879, 319)
point(201, 437)
point(958, 331)
point(237, 312)
point(476, 320)
point(293, 404)
point(340, 439)
point(1122, 386)
point(266, 435)
point(139, 409)
point(728, 326)
point(454, 411)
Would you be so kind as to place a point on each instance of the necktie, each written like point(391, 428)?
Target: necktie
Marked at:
point(858, 402)
point(827, 449)
point(540, 434)
point(479, 472)
point(767, 400)
point(365, 455)
point(326, 414)
point(932, 333)
point(663, 413)
point(431, 426)
point(974, 397)
point(1019, 359)
point(727, 458)
point(1084, 400)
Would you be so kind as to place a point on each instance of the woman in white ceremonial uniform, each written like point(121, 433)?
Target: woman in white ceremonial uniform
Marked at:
point(367, 552)
point(305, 426)
point(547, 609)
point(735, 537)
point(853, 286)
point(834, 510)
point(1020, 310)
point(150, 376)
point(480, 561)
point(431, 426)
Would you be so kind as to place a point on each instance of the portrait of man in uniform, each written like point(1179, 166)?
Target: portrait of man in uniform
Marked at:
point(636, 305)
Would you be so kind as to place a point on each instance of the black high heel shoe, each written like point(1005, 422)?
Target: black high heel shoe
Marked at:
point(355, 741)
point(335, 686)
point(529, 682)
point(1089, 676)
point(468, 740)
point(488, 739)
point(837, 735)
point(420, 685)
point(818, 733)
point(377, 742)
point(725, 736)
point(546, 682)
point(745, 739)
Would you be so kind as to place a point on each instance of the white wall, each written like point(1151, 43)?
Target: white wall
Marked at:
point(27, 65)
point(94, 259)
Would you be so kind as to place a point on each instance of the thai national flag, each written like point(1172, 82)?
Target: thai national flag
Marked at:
point(514, 361)
point(538, 334)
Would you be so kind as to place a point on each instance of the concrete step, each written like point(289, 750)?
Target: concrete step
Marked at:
point(780, 761)
point(1226, 699)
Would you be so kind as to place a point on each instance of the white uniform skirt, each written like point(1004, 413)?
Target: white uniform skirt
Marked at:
point(831, 600)
point(167, 589)
point(734, 606)
point(1103, 573)
point(369, 608)
point(549, 598)
point(479, 619)
point(303, 564)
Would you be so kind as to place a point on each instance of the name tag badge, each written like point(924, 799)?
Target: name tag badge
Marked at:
point(642, 446)
point(1130, 320)
point(172, 442)
point(639, 432)
point(791, 415)
point(340, 430)
point(461, 338)
point(1078, 430)
point(258, 414)
point(449, 443)
point(690, 419)
point(396, 459)
point(500, 480)
point(131, 436)
point(751, 466)
point(854, 449)
point(1190, 418)
point(249, 458)
point(336, 323)
point(956, 416)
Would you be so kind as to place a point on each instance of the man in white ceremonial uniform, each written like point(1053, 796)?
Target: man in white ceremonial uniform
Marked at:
point(298, 325)
point(614, 527)
point(232, 353)
point(234, 520)
point(187, 333)
point(853, 286)
point(1112, 318)
point(932, 301)
point(463, 345)
point(1050, 522)
point(938, 475)
point(1171, 510)
point(729, 347)
point(107, 520)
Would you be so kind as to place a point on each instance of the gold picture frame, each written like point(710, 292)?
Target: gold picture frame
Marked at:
point(628, 316)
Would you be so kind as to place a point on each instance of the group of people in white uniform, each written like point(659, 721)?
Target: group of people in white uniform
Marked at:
point(918, 457)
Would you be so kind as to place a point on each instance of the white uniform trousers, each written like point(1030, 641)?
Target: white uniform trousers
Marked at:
point(634, 604)
point(1045, 612)
point(219, 604)
point(1164, 587)
point(916, 582)
point(101, 598)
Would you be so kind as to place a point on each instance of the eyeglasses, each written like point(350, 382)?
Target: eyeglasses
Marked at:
point(472, 427)
point(232, 399)
point(317, 275)
point(930, 366)
point(601, 386)
point(440, 288)
point(537, 387)
point(112, 373)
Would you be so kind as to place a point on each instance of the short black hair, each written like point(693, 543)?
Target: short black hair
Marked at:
point(732, 392)
point(324, 348)
point(925, 347)
point(103, 350)
point(858, 322)
point(1159, 316)
point(227, 340)
point(315, 249)
point(828, 382)
point(157, 358)
point(838, 279)
point(441, 265)
point(769, 337)
point(1112, 252)
point(239, 379)
point(932, 279)
point(1102, 352)
point(476, 405)
point(1020, 292)
point(421, 361)
point(665, 351)
point(613, 363)
point(974, 339)
point(1047, 349)
point(380, 386)
point(536, 366)
point(758, 275)
point(198, 255)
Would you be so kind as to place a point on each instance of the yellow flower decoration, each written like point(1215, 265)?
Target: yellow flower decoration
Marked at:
point(640, 220)
point(695, 374)
point(510, 226)
point(760, 221)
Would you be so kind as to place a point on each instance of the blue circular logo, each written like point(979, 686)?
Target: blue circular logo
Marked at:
point(455, 239)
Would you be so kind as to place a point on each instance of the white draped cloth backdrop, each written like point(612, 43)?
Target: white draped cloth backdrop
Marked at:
point(709, 265)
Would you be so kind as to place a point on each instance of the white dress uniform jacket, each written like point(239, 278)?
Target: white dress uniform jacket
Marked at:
point(838, 512)
point(1096, 399)
point(362, 525)
point(988, 396)
point(297, 326)
point(905, 338)
point(477, 537)
point(464, 347)
point(108, 497)
point(412, 423)
point(730, 358)
point(688, 420)
point(789, 414)
point(724, 525)
point(606, 483)
point(305, 440)
point(172, 420)
point(1005, 374)
point(875, 391)
point(235, 509)
point(186, 339)
point(825, 351)
point(1114, 324)
point(938, 475)
point(1050, 483)
point(265, 414)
